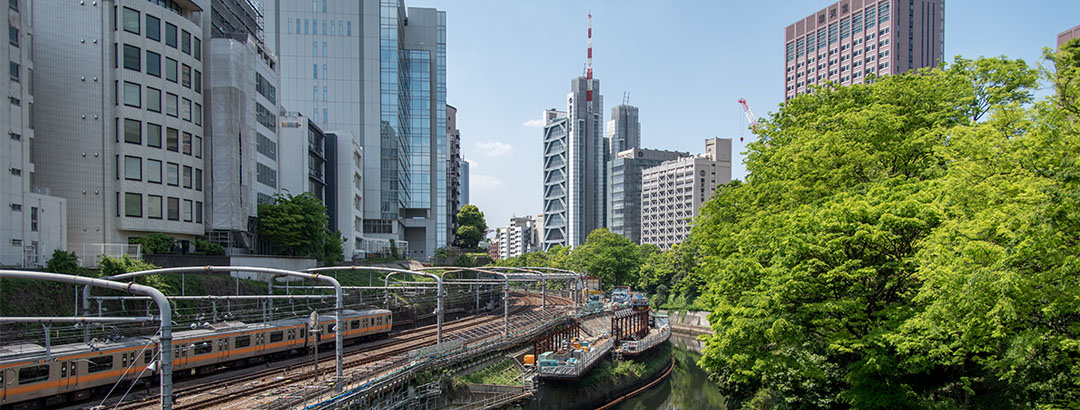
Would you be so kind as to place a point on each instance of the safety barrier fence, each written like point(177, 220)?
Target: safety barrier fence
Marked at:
point(574, 370)
point(637, 346)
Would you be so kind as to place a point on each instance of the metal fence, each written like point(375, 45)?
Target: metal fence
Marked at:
point(90, 254)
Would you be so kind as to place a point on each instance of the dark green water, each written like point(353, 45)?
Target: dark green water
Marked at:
point(687, 387)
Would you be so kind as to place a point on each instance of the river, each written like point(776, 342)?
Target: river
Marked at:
point(687, 387)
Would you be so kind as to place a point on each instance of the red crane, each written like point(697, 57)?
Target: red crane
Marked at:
point(749, 116)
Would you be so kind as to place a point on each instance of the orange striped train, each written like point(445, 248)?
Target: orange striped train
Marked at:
point(29, 379)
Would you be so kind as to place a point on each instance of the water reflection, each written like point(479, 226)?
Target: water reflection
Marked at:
point(687, 387)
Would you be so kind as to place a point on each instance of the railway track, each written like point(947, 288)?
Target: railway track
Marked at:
point(236, 390)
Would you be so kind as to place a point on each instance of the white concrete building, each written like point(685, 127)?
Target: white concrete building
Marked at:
point(32, 223)
point(672, 192)
point(345, 189)
point(120, 119)
point(519, 238)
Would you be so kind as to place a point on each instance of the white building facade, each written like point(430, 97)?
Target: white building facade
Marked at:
point(672, 192)
point(32, 223)
point(120, 119)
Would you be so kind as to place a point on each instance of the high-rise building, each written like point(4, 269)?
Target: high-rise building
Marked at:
point(556, 144)
point(362, 66)
point(1067, 35)
point(231, 17)
point(623, 129)
point(464, 182)
point(851, 39)
point(243, 84)
point(453, 170)
point(120, 119)
point(672, 192)
point(345, 189)
point(32, 223)
point(624, 188)
point(302, 158)
point(518, 238)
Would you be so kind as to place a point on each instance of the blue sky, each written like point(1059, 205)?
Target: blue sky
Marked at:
point(685, 63)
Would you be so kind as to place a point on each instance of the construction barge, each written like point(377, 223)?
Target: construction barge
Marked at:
point(659, 333)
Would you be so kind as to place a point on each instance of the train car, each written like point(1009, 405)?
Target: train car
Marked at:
point(31, 379)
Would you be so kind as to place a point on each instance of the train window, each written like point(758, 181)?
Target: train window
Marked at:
point(303, 333)
point(124, 363)
point(147, 356)
point(355, 324)
point(99, 364)
point(74, 367)
point(242, 341)
point(34, 374)
point(329, 329)
point(63, 371)
point(202, 348)
point(276, 337)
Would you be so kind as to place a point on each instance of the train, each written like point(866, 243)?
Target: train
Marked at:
point(32, 378)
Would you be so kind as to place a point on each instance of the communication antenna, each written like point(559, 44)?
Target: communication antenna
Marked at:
point(588, 71)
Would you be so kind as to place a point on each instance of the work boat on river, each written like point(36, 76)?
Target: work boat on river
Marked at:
point(635, 339)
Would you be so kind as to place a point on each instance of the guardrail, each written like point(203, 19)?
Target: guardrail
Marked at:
point(637, 346)
point(563, 370)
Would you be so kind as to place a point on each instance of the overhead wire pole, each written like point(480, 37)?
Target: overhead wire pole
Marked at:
point(228, 269)
point(580, 281)
point(164, 313)
point(438, 282)
point(543, 282)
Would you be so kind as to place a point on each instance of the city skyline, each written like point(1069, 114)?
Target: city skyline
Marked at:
point(633, 53)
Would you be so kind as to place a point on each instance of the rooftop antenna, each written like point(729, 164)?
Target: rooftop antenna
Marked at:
point(588, 71)
point(626, 98)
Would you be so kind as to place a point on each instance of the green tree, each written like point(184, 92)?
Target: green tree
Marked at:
point(205, 247)
point(295, 225)
point(866, 261)
point(155, 244)
point(332, 251)
point(471, 226)
point(612, 257)
point(64, 262)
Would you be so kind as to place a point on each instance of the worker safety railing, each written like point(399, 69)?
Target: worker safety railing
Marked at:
point(574, 369)
point(637, 346)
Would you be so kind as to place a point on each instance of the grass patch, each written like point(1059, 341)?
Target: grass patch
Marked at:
point(502, 372)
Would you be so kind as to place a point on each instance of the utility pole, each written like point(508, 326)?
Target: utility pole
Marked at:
point(315, 332)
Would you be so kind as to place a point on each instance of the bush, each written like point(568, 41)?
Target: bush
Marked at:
point(208, 248)
point(155, 243)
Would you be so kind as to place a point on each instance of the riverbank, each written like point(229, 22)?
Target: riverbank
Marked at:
point(604, 384)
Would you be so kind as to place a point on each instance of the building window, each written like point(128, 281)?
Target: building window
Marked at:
point(173, 208)
point(131, 20)
point(185, 42)
point(266, 147)
point(315, 93)
point(153, 99)
point(315, 71)
point(14, 101)
point(153, 28)
point(185, 109)
point(197, 113)
point(16, 207)
point(14, 4)
point(172, 139)
point(172, 174)
point(198, 82)
point(198, 49)
point(13, 71)
point(198, 179)
point(132, 58)
point(14, 136)
point(16, 172)
point(187, 177)
point(132, 205)
point(153, 171)
point(132, 131)
point(13, 36)
point(198, 212)
point(33, 219)
point(153, 206)
point(349, 31)
point(171, 70)
point(187, 210)
point(153, 63)
point(185, 76)
point(198, 146)
point(186, 144)
point(265, 117)
point(153, 135)
point(314, 49)
point(172, 103)
point(170, 35)
point(266, 175)
point(305, 26)
point(132, 94)
point(324, 49)
point(132, 168)
point(324, 76)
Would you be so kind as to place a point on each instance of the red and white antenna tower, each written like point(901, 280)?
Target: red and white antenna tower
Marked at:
point(749, 116)
point(588, 71)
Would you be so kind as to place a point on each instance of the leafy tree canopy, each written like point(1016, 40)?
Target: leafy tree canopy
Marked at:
point(471, 226)
point(297, 225)
point(910, 243)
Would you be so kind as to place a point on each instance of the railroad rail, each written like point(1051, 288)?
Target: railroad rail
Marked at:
point(247, 388)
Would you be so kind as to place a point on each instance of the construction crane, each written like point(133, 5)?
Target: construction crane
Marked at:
point(749, 116)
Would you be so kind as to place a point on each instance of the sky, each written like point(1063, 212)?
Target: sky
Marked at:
point(684, 64)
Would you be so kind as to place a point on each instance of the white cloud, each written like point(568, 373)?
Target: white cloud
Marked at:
point(484, 181)
point(533, 123)
point(495, 148)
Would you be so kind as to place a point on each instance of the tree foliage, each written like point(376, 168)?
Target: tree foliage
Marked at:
point(155, 244)
point(471, 226)
point(298, 225)
point(908, 243)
